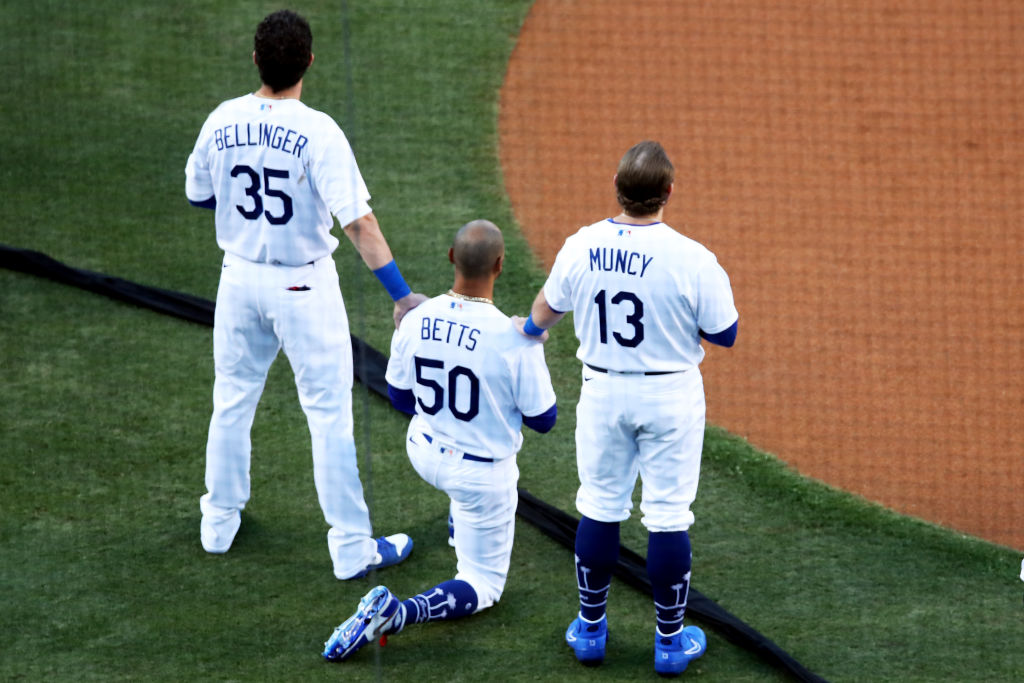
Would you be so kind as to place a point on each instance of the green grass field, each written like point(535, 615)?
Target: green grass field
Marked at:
point(105, 406)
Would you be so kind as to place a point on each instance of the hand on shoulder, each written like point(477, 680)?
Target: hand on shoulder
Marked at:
point(406, 304)
point(518, 323)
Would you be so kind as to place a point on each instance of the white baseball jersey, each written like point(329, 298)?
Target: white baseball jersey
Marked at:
point(278, 169)
point(639, 294)
point(472, 374)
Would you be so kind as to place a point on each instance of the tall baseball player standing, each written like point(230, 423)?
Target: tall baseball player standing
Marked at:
point(642, 297)
point(274, 171)
point(470, 381)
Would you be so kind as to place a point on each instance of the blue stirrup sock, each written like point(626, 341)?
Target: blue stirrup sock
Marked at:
point(669, 559)
point(597, 551)
point(451, 599)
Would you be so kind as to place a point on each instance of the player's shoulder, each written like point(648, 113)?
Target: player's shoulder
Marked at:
point(676, 239)
point(601, 227)
point(509, 341)
point(234, 104)
point(430, 307)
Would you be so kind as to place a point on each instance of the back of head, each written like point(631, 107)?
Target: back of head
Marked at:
point(644, 179)
point(477, 247)
point(283, 48)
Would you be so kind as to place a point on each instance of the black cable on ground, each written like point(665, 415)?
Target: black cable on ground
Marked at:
point(369, 367)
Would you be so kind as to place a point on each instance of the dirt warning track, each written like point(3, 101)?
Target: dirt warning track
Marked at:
point(857, 168)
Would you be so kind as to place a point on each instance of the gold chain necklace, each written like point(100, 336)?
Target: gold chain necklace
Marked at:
point(478, 299)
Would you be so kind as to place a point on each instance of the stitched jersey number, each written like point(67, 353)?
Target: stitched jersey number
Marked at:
point(635, 318)
point(253, 192)
point(471, 381)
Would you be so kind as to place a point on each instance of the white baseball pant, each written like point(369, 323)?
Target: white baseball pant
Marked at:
point(483, 508)
point(630, 424)
point(261, 309)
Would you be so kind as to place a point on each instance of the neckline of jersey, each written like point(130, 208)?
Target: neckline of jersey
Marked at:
point(465, 297)
point(634, 225)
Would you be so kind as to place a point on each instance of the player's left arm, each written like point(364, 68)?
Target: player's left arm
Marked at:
point(726, 337)
point(366, 236)
point(544, 422)
point(533, 389)
point(717, 318)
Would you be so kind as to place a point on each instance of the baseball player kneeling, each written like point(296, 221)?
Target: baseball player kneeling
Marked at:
point(470, 381)
point(642, 297)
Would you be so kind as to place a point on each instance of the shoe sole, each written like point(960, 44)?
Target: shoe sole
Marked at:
point(369, 607)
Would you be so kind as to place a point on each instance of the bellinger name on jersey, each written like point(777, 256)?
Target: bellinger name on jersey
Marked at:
point(619, 261)
point(262, 134)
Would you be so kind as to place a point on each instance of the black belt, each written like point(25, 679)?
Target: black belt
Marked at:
point(465, 456)
point(654, 372)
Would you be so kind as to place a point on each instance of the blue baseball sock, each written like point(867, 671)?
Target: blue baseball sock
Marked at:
point(452, 599)
point(597, 551)
point(668, 567)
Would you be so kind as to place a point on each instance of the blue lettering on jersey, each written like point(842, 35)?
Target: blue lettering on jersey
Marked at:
point(619, 261)
point(263, 135)
point(449, 332)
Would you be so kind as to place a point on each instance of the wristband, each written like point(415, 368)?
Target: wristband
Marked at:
point(393, 281)
point(530, 327)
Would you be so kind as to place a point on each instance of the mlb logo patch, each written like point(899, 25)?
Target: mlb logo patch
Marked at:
point(455, 306)
point(625, 233)
point(266, 107)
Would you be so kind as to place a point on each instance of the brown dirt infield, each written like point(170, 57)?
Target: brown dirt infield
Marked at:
point(856, 167)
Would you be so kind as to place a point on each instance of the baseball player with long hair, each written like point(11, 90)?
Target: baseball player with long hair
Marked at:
point(470, 381)
point(274, 171)
point(642, 297)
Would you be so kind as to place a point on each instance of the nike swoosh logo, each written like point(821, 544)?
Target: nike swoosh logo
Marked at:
point(693, 649)
point(571, 638)
point(587, 379)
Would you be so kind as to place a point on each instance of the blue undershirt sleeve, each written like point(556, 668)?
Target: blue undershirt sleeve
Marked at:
point(210, 203)
point(403, 400)
point(544, 422)
point(726, 337)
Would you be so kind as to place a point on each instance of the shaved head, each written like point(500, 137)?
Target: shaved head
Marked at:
point(477, 247)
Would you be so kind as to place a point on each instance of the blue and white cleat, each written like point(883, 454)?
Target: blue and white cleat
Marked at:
point(377, 610)
point(672, 654)
point(390, 551)
point(588, 639)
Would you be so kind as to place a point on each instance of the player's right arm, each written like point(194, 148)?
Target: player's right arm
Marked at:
point(542, 317)
point(198, 180)
point(398, 376)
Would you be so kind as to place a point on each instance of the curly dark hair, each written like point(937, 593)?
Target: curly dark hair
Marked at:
point(644, 179)
point(284, 46)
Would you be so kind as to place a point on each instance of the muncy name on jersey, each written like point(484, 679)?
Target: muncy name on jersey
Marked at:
point(619, 261)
